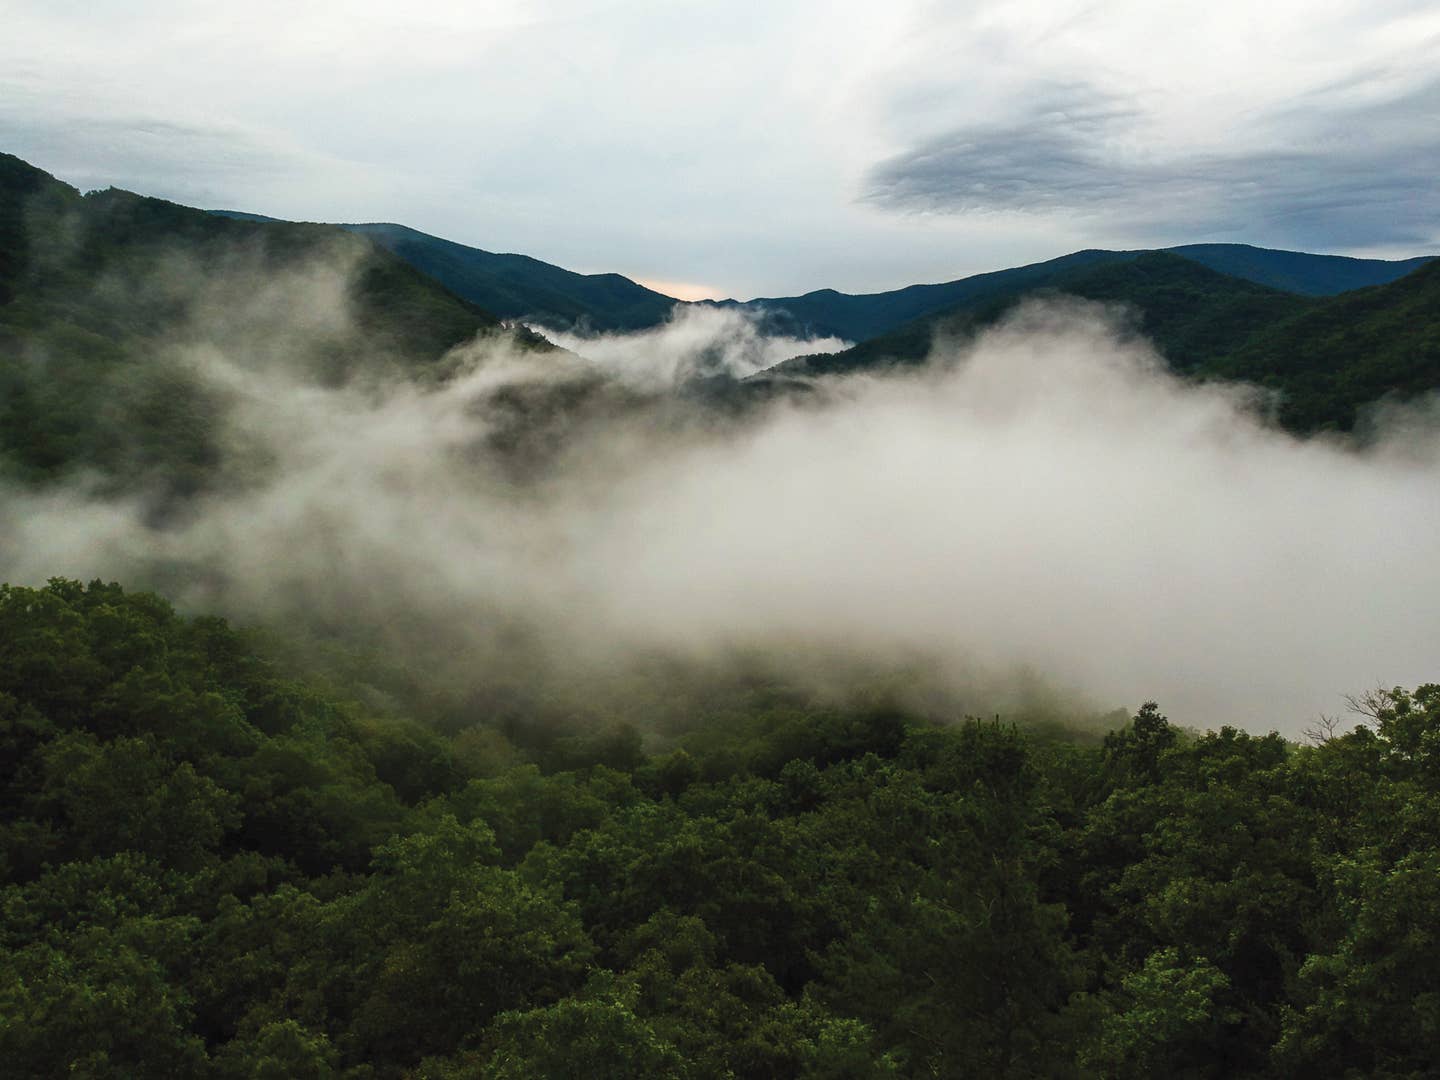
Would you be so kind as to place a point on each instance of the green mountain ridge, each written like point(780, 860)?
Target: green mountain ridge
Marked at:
point(521, 287)
point(1186, 308)
point(1327, 357)
point(861, 317)
point(1330, 360)
point(72, 309)
point(828, 313)
point(516, 286)
point(102, 294)
point(1299, 271)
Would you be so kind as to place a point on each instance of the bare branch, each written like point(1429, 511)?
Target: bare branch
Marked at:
point(1371, 703)
point(1322, 729)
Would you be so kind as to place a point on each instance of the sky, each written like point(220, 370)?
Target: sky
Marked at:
point(755, 149)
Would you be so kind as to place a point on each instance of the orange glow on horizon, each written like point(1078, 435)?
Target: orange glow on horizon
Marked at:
point(681, 290)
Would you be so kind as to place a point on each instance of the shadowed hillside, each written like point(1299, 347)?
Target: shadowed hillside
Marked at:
point(521, 287)
point(1325, 356)
point(103, 296)
point(517, 286)
point(858, 318)
point(1341, 354)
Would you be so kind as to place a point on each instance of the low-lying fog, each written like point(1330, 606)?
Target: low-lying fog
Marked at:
point(1044, 498)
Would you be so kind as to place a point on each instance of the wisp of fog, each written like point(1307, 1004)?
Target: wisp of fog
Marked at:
point(697, 341)
point(1044, 498)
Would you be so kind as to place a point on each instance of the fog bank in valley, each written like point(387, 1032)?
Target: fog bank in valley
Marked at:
point(698, 341)
point(1045, 498)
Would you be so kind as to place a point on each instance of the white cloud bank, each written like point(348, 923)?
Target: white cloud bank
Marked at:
point(1047, 498)
point(694, 342)
point(693, 142)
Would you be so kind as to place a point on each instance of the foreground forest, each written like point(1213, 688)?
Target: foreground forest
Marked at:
point(213, 866)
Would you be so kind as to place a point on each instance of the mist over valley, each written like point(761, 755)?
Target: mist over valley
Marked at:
point(1043, 491)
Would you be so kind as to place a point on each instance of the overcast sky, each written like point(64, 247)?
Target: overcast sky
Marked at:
point(755, 148)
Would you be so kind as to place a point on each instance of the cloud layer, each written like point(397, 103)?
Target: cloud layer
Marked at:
point(1045, 500)
point(1353, 175)
point(696, 342)
point(763, 155)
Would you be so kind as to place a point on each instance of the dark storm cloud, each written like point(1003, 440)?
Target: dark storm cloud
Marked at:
point(1313, 174)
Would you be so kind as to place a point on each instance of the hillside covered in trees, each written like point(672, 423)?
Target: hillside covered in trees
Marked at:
point(106, 298)
point(521, 287)
point(870, 315)
point(1325, 357)
point(212, 868)
point(100, 292)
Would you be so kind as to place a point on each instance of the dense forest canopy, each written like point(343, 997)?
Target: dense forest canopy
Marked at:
point(214, 869)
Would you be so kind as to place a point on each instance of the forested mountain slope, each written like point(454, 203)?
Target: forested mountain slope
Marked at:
point(1190, 312)
point(1299, 271)
point(858, 318)
point(1325, 356)
point(1345, 352)
point(517, 286)
point(827, 313)
point(104, 296)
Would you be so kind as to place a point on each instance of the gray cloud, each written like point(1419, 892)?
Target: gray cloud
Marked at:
point(93, 143)
point(1315, 174)
point(690, 145)
point(694, 342)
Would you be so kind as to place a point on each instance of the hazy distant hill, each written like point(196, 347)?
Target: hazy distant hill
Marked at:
point(1192, 313)
point(861, 317)
point(517, 286)
point(94, 288)
point(100, 294)
point(1325, 355)
point(1299, 271)
point(827, 313)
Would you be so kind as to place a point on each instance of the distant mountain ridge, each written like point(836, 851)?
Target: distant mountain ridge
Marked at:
point(80, 331)
point(1189, 311)
point(858, 318)
point(1326, 356)
point(828, 313)
point(517, 286)
point(521, 287)
point(100, 294)
point(1299, 271)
